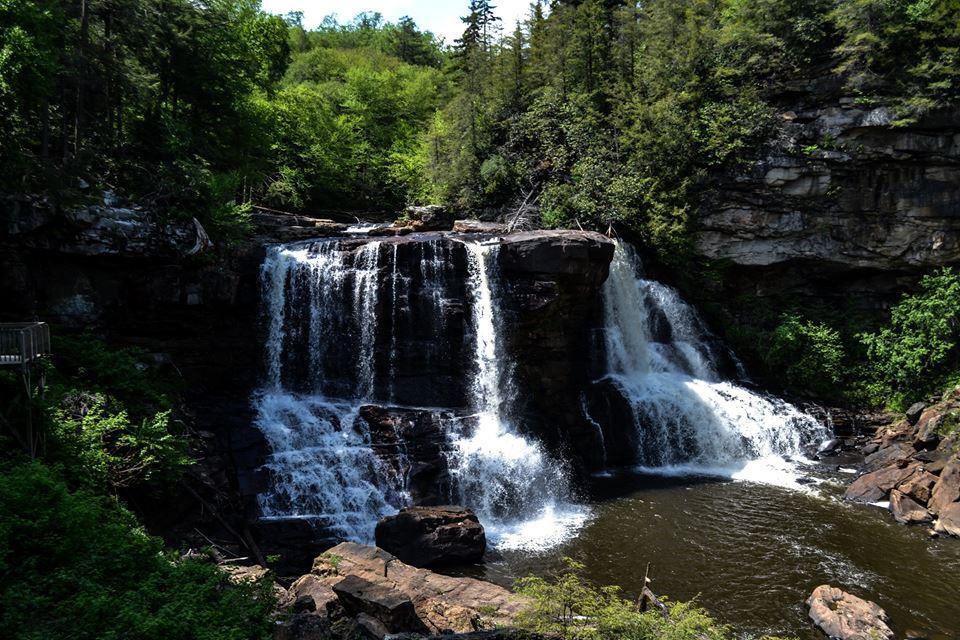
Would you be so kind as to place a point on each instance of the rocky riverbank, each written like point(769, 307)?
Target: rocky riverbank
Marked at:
point(356, 591)
point(915, 465)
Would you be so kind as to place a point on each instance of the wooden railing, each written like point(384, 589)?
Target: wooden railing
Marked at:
point(23, 342)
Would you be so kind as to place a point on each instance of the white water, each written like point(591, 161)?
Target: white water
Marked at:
point(518, 491)
point(328, 305)
point(322, 465)
point(687, 420)
point(318, 298)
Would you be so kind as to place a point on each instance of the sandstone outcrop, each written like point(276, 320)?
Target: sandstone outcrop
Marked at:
point(842, 186)
point(843, 616)
point(916, 463)
point(841, 210)
point(375, 592)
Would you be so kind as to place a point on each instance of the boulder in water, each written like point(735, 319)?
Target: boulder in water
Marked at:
point(875, 485)
point(477, 226)
point(949, 520)
point(829, 447)
point(906, 510)
point(432, 217)
point(429, 536)
point(844, 616)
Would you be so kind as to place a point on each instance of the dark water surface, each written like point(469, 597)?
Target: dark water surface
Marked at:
point(751, 553)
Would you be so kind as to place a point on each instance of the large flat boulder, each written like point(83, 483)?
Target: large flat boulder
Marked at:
point(430, 536)
point(442, 604)
point(906, 510)
point(844, 616)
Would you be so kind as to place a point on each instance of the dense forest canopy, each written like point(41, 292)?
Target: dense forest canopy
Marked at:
point(605, 113)
point(601, 110)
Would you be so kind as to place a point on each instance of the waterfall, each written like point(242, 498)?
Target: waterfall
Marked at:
point(320, 300)
point(520, 493)
point(687, 419)
point(328, 306)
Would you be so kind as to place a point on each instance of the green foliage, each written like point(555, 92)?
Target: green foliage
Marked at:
point(108, 419)
point(347, 123)
point(808, 355)
point(907, 48)
point(110, 451)
point(75, 565)
point(570, 608)
point(88, 363)
point(917, 354)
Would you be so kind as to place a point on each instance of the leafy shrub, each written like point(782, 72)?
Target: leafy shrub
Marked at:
point(571, 608)
point(916, 354)
point(75, 565)
point(86, 361)
point(108, 449)
point(809, 356)
point(108, 419)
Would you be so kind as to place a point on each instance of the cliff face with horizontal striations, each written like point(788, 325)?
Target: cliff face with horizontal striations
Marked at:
point(841, 213)
point(843, 186)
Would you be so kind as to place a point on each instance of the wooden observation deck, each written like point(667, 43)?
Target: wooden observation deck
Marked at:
point(23, 343)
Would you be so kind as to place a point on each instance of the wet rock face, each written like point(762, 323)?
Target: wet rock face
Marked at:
point(414, 443)
point(430, 536)
point(844, 616)
point(552, 282)
point(548, 299)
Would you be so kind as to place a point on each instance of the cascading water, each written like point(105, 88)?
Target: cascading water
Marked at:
point(322, 465)
point(329, 305)
point(687, 419)
point(519, 492)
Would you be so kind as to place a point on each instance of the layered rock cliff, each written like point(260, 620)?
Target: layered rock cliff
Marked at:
point(846, 206)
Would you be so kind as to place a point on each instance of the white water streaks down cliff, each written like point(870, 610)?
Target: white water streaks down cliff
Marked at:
point(687, 420)
point(519, 492)
point(341, 335)
point(318, 296)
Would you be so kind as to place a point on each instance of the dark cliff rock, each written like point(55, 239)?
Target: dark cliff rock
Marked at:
point(429, 536)
point(126, 274)
point(552, 299)
point(843, 210)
